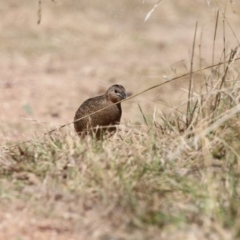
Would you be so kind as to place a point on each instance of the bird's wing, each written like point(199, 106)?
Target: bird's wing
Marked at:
point(92, 104)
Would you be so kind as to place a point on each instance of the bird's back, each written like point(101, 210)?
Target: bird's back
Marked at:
point(106, 117)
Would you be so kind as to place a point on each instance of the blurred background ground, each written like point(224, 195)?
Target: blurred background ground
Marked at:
point(79, 49)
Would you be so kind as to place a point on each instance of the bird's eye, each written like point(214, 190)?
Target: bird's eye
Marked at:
point(115, 91)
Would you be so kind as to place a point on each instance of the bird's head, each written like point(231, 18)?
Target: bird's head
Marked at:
point(116, 93)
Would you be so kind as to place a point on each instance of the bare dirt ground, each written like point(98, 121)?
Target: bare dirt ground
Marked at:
point(79, 49)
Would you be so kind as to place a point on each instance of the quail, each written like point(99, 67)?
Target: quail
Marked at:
point(102, 121)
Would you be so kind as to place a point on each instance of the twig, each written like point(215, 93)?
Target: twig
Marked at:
point(39, 11)
point(231, 59)
point(214, 37)
point(152, 10)
point(189, 114)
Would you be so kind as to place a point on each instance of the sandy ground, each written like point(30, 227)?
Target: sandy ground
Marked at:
point(78, 51)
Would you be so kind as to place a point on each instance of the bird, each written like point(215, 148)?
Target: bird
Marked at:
point(103, 121)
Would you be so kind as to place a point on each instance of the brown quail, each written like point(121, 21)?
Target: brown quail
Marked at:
point(102, 121)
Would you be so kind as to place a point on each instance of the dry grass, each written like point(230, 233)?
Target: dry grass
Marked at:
point(163, 175)
point(160, 180)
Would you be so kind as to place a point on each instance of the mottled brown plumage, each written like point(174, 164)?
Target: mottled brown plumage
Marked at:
point(104, 120)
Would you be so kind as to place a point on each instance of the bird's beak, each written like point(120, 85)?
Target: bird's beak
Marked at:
point(123, 95)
